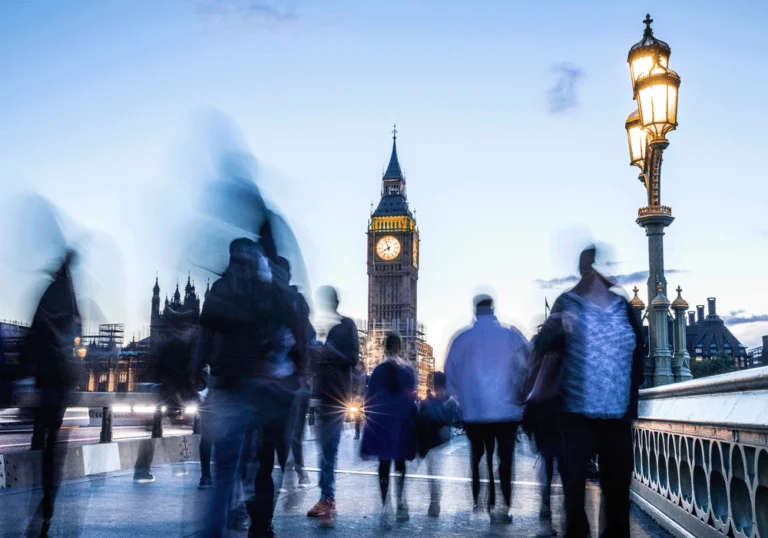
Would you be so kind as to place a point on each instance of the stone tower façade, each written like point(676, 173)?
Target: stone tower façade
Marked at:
point(393, 265)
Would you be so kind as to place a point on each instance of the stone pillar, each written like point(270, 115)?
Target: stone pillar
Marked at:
point(662, 356)
point(638, 307)
point(681, 360)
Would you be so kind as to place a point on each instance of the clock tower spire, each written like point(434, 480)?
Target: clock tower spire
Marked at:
point(393, 262)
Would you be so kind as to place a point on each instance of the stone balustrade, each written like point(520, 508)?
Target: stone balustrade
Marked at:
point(701, 455)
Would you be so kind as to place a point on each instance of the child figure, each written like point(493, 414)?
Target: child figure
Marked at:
point(438, 414)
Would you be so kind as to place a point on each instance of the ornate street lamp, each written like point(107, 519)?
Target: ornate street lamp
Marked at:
point(655, 88)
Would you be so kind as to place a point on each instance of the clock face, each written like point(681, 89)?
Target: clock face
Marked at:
point(388, 247)
point(415, 252)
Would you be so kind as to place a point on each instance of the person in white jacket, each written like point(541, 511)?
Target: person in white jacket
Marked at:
point(486, 367)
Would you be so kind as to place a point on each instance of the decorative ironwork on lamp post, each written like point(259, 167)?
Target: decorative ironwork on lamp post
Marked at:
point(655, 88)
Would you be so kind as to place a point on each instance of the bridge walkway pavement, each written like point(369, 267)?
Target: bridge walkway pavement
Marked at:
point(112, 504)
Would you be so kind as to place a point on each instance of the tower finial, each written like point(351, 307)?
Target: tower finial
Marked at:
point(394, 132)
point(648, 20)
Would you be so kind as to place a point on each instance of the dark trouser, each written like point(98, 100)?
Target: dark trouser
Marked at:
point(358, 424)
point(145, 456)
point(48, 420)
point(384, 467)
point(206, 440)
point(261, 507)
point(331, 426)
point(235, 412)
point(612, 440)
point(484, 438)
point(298, 420)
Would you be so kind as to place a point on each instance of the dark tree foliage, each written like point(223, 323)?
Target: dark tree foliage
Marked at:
point(722, 363)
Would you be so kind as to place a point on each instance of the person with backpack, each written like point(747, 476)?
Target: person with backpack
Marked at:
point(333, 364)
point(600, 342)
point(486, 368)
point(390, 431)
point(438, 414)
point(541, 421)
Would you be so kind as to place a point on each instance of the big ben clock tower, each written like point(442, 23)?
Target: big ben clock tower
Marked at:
point(393, 266)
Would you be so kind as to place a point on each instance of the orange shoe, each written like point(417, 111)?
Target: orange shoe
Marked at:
point(322, 508)
point(327, 520)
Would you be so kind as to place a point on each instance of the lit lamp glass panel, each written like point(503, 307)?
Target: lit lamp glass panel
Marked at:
point(642, 64)
point(657, 98)
point(636, 136)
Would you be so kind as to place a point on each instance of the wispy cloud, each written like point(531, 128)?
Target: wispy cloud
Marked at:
point(257, 10)
point(742, 320)
point(563, 96)
point(620, 279)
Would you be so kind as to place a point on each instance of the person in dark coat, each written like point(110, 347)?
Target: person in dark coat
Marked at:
point(390, 428)
point(172, 369)
point(249, 335)
point(47, 354)
point(333, 364)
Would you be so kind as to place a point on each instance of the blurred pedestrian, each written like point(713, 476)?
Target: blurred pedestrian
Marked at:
point(206, 480)
point(541, 421)
point(249, 333)
point(390, 430)
point(172, 368)
point(298, 418)
point(357, 405)
point(333, 363)
point(47, 355)
point(486, 368)
point(602, 370)
point(438, 414)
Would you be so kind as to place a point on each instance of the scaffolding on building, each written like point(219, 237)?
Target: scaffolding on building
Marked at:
point(110, 336)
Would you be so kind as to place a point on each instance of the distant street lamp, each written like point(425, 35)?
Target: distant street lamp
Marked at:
point(655, 88)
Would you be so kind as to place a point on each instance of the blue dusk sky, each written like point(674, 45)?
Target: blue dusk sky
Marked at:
point(106, 107)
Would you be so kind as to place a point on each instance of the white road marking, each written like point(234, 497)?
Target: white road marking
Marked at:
point(427, 477)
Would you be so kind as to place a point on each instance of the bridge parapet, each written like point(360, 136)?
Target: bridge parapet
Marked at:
point(701, 455)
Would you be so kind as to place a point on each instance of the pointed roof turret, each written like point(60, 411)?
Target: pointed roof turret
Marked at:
point(636, 301)
point(679, 303)
point(393, 169)
point(156, 288)
point(176, 294)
